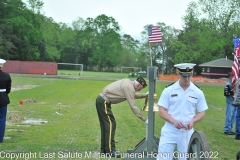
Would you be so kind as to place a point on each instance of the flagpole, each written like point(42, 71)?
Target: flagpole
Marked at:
point(150, 54)
point(234, 36)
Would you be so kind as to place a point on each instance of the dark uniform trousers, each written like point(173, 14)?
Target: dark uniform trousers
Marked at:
point(3, 112)
point(107, 124)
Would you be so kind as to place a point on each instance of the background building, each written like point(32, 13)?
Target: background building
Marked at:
point(216, 69)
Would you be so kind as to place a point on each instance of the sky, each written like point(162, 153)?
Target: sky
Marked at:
point(131, 15)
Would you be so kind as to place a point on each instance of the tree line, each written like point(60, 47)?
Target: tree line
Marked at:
point(208, 30)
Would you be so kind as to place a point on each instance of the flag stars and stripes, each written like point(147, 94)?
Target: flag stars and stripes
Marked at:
point(236, 42)
point(235, 65)
point(235, 71)
point(154, 34)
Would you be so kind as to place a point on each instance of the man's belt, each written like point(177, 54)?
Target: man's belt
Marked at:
point(2, 90)
point(105, 98)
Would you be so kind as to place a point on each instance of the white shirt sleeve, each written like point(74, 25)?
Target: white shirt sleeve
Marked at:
point(202, 104)
point(163, 100)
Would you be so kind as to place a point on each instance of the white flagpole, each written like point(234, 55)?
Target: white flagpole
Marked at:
point(150, 53)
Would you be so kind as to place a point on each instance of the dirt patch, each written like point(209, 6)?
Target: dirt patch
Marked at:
point(16, 88)
point(29, 100)
point(35, 121)
point(61, 105)
point(14, 118)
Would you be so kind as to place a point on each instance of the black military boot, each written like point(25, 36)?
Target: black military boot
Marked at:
point(237, 137)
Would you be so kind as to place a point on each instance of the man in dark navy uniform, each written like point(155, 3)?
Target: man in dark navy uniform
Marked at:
point(5, 89)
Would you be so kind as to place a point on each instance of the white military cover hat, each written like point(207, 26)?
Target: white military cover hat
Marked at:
point(185, 69)
point(2, 61)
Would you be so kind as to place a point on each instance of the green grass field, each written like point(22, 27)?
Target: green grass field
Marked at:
point(66, 106)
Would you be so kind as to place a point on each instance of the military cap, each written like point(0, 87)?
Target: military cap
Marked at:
point(2, 61)
point(141, 81)
point(185, 69)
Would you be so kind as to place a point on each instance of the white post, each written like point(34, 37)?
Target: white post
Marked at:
point(150, 53)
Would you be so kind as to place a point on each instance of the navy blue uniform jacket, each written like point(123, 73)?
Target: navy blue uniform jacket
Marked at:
point(5, 83)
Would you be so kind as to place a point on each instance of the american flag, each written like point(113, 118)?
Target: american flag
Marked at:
point(236, 42)
point(235, 65)
point(237, 47)
point(235, 71)
point(154, 34)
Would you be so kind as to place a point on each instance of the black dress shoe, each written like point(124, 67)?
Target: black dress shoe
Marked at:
point(237, 137)
point(229, 133)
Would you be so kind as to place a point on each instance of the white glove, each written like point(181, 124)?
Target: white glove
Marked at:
point(147, 92)
point(146, 122)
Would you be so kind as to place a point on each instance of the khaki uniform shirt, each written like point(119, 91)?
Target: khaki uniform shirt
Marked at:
point(120, 91)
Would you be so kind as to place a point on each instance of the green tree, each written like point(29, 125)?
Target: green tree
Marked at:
point(129, 56)
point(35, 5)
point(208, 31)
point(27, 38)
point(19, 30)
point(50, 34)
point(221, 15)
point(68, 45)
point(105, 41)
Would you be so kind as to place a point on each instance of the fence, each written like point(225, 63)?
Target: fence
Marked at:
point(174, 77)
point(30, 67)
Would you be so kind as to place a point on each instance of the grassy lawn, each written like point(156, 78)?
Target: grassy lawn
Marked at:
point(69, 123)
